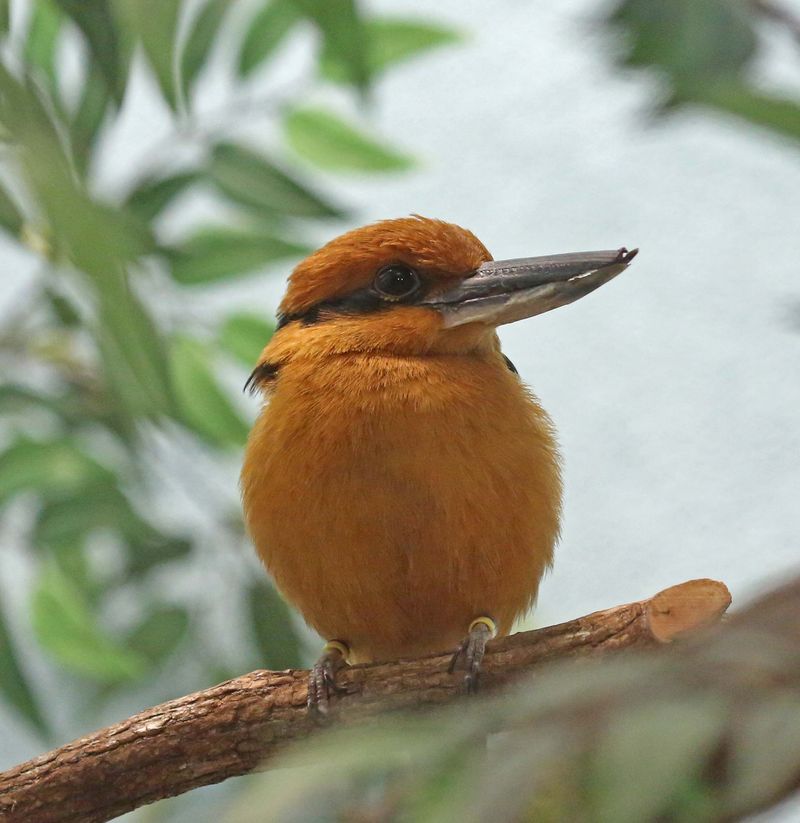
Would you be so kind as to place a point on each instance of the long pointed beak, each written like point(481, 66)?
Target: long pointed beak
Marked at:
point(502, 291)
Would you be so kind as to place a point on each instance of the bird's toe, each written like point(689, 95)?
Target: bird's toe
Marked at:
point(472, 650)
point(322, 683)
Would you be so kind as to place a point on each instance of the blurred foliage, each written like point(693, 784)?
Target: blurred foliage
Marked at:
point(104, 357)
point(703, 732)
point(708, 53)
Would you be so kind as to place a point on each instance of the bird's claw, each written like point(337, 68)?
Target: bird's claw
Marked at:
point(322, 683)
point(472, 649)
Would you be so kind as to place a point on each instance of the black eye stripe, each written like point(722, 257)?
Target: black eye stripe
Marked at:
point(361, 301)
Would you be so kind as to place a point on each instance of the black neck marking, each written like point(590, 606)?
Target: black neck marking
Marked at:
point(511, 366)
point(362, 301)
point(261, 374)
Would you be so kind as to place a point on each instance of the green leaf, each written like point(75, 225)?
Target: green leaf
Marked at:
point(778, 114)
point(100, 241)
point(152, 195)
point(72, 561)
point(394, 40)
point(5, 16)
point(11, 218)
point(253, 181)
point(218, 254)
point(14, 684)
point(133, 353)
point(69, 521)
point(96, 20)
point(342, 29)
point(114, 238)
point(159, 634)
point(327, 141)
point(203, 405)
point(199, 42)
point(149, 548)
point(29, 126)
point(278, 643)
point(692, 41)
point(94, 236)
point(15, 399)
point(266, 32)
point(40, 45)
point(54, 469)
point(88, 118)
point(244, 335)
point(68, 631)
point(155, 23)
point(390, 41)
point(63, 309)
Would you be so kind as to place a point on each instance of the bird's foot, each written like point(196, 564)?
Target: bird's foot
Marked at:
point(322, 678)
point(472, 649)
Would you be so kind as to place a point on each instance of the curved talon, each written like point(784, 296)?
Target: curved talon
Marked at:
point(473, 648)
point(322, 678)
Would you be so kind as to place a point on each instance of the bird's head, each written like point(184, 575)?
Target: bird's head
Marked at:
point(415, 286)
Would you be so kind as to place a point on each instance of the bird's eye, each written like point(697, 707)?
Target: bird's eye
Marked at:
point(396, 281)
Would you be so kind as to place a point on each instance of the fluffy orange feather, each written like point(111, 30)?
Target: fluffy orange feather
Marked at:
point(400, 480)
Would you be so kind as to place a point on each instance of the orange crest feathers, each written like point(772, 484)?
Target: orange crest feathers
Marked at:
point(350, 261)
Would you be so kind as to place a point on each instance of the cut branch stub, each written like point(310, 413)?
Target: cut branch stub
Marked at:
point(686, 607)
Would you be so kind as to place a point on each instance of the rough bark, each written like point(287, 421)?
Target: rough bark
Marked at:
point(235, 727)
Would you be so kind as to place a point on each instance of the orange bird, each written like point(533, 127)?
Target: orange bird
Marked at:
point(402, 484)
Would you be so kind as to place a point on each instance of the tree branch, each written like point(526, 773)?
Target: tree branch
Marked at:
point(707, 729)
point(235, 727)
